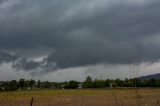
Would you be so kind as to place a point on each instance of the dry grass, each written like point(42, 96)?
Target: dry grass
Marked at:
point(92, 97)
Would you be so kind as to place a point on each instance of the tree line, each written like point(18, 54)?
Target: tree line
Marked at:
point(23, 84)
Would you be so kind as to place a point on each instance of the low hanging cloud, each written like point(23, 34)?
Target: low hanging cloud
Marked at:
point(80, 32)
point(6, 57)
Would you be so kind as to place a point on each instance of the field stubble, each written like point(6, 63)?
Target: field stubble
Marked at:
point(88, 97)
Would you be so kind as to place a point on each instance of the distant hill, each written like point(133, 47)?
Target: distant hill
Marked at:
point(155, 76)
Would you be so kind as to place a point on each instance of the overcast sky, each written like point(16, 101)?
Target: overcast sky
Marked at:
point(71, 39)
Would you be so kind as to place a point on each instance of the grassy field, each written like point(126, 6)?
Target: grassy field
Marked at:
point(90, 97)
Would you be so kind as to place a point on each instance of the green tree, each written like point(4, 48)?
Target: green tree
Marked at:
point(119, 82)
point(71, 85)
point(98, 83)
point(153, 83)
point(38, 84)
point(32, 83)
point(21, 84)
point(88, 79)
point(46, 84)
point(88, 82)
point(13, 85)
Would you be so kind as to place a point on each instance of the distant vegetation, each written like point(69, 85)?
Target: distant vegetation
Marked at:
point(23, 84)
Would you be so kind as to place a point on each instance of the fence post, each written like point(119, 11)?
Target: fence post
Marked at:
point(32, 101)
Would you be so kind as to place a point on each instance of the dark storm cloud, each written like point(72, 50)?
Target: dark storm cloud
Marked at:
point(18, 61)
point(24, 64)
point(6, 57)
point(82, 32)
point(2, 1)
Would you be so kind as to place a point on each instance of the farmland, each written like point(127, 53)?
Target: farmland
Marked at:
point(83, 97)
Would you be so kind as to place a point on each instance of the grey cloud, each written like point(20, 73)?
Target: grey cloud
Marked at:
point(29, 65)
point(82, 33)
point(24, 64)
point(3, 1)
point(6, 57)
point(18, 62)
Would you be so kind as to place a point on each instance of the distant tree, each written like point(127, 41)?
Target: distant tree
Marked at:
point(38, 84)
point(152, 83)
point(71, 85)
point(158, 83)
point(21, 84)
point(46, 84)
point(4, 85)
point(119, 82)
point(88, 82)
point(57, 85)
point(32, 83)
point(107, 83)
point(27, 84)
point(13, 85)
point(1, 86)
point(126, 82)
point(88, 79)
point(98, 83)
point(139, 83)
